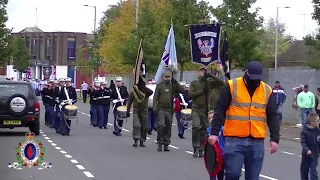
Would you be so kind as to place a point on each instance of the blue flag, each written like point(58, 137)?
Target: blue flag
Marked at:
point(205, 41)
point(169, 60)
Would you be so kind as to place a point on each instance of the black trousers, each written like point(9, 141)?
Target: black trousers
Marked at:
point(84, 95)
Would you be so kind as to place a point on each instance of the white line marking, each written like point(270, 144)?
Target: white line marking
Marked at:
point(285, 152)
point(74, 161)
point(174, 147)
point(189, 152)
point(296, 138)
point(126, 130)
point(68, 156)
point(40, 168)
point(88, 174)
point(263, 176)
point(44, 135)
point(41, 132)
point(46, 138)
point(80, 167)
point(155, 140)
point(148, 138)
point(299, 155)
point(63, 152)
point(50, 141)
point(173, 124)
point(58, 148)
point(53, 144)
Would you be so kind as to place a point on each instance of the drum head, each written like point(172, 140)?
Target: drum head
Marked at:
point(186, 111)
point(122, 108)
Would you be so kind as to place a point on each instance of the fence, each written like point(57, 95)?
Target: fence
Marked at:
point(289, 78)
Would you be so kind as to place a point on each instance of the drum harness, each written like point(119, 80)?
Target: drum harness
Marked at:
point(183, 123)
point(119, 100)
point(66, 102)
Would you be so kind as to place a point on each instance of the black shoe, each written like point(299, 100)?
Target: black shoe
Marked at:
point(159, 147)
point(63, 134)
point(105, 127)
point(180, 136)
point(67, 134)
point(94, 125)
point(166, 148)
point(100, 127)
point(135, 144)
point(90, 124)
point(200, 153)
point(50, 126)
point(142, 144)
point(58, 132)
point(150, 132)
point(196, 153)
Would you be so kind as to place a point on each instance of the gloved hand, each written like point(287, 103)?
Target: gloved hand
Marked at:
point(174, 81)
point(114, 101)
point(128, 113)
point(122, 100)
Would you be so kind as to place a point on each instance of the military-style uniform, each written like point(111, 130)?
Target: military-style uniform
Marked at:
point(47, 98)
point(66, 123)
point(123, 92)
point(139, 98)
point(200, 122)
point(56, 95)
point(180, 106)
point(163, 104)
point(94, 94)
point(104, 98)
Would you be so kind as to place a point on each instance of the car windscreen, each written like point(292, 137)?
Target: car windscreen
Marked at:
point(7, 90)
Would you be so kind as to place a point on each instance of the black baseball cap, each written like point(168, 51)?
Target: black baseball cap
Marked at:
point(254, 70)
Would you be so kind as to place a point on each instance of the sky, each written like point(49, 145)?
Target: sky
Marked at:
point(72, 16)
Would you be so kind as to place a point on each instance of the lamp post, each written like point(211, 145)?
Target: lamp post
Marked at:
point(304, 22)
point(276, 41)
point(95, 16)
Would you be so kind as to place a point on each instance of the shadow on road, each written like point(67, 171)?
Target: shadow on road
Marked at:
point(12, 133)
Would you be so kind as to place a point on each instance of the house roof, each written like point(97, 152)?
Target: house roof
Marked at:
point(31, 29)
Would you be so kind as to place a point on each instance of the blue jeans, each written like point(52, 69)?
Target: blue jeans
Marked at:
point(100, 117)
point(94, 114)
point(64, 128)
point(57, 119)
point(116, 122)
point(309, 164)
point(304, 115)
point(106, 109)
point(152, 120)
point(239, 151)
point(180, 126)
point(279, 112)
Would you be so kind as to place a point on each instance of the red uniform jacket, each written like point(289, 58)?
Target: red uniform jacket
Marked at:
point(177, 105)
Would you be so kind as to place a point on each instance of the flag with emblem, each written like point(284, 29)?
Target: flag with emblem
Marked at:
point(224, 57)
point(169, 60)
point(140, 68)
point(28, 74)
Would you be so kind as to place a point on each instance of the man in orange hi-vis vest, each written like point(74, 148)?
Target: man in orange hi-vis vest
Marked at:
point(245, 108)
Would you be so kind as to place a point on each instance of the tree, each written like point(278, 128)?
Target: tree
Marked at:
point(243, 29)
point(268, 39)
point(115, 34)
point(20, 55)
point(4, 32)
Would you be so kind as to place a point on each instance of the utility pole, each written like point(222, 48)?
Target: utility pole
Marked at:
point(304, 23)
point(137, 13)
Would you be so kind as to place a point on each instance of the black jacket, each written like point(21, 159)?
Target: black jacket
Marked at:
point(310, 140)
point(71, 92)
point(104, 96)
point(222, 106)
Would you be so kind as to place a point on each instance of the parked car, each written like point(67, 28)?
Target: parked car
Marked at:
point(19, 106)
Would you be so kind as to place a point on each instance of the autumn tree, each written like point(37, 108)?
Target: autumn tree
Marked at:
point(20, 55)
point(4, 32)
point(243, 28)
point(268, 39)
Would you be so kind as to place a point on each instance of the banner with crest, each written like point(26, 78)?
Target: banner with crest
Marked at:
point(139, 75)
point(205, 40)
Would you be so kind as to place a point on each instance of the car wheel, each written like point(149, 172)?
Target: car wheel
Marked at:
point(35, 128)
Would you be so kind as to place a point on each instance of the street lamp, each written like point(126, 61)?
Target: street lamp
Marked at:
point(304, 22)
point(276, 41)
point(95, 16)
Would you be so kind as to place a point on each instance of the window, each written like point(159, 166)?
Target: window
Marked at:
point(49, 53)
point(71, 48)
point(35, 49)
point(28, 43)
point(7, 90)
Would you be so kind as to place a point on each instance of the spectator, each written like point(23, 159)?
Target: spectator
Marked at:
point(280, 96)
point(306, 102)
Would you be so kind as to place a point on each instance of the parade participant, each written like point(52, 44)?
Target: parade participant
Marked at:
point(310, 143)
point(120, 95)
point(245, 107)
point(91, 102)
point(152, 115)
point(56, 95)
point(94, 94)
point(278, 93)
point(104, 105)
point(68, 96)
point(139, 97)
point(51, 103)
point(199, 93)
point(163, 105)
point(184, 102)
point(84, 89)
point(47, 101)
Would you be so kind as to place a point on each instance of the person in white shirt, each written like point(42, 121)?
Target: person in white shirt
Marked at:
point(84, 88)
point(152, 116)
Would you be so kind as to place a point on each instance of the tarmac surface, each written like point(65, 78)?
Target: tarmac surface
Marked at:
point(93, 153)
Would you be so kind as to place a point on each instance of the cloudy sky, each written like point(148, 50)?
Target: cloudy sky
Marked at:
point(71, 15)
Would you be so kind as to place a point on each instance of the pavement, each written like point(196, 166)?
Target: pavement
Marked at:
point(92, 153)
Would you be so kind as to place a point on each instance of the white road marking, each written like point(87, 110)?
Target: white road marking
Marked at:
point(80, 167)
point(58, 148)
point(44, 135)
point(189, 152)
point(50, 141)
point(88, 174)
point(63, 152)
point(40, 168)
point(263, 176)
point(126, 130)
point(68, 156)
point(285, 152)
point(148, 138)
point(46, 138)
point(296, 138)
point(299, 155)
point(41, 132)
point(174, 147)
point(74, 161)
point(53, 144)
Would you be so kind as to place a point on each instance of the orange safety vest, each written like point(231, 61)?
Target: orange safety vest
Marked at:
point(247, 116)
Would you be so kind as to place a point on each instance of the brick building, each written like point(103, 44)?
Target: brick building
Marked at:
point(51, 53)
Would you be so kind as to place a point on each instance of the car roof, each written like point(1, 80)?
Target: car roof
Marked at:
point(13, 82)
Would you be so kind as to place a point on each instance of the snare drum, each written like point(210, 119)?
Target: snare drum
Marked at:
point(186, 114)
point(71, 110)
point(122, 112)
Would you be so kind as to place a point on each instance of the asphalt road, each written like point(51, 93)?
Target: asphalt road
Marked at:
point(92, 153)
